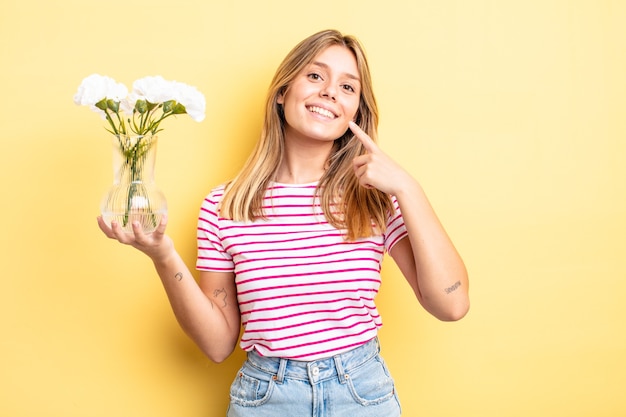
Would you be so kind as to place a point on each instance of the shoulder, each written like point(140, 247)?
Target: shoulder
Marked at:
point(217, 192)
point(214, 197)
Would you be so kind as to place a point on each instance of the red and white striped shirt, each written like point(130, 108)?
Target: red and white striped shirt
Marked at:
point(304, 292)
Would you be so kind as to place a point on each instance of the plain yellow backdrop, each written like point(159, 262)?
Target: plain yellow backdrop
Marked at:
point(510, 113)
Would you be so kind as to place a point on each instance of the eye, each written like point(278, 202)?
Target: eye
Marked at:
point(314, 76)
point(348, 88)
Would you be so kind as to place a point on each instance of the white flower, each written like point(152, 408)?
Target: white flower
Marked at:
point(153, 89)
point(127, 105)
point(151, 101)
point(192, 99)
point(96, 87)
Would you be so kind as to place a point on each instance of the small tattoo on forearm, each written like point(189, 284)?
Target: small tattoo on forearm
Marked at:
point(453, 288)
point(221, 293)
point(178, 276)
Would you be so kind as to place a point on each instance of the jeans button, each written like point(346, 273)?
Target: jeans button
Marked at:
point(315, 371)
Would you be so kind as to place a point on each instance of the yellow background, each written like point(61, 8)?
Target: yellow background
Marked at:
point(510, 113)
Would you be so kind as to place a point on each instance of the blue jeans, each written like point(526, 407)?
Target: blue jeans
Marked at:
point(352, 384)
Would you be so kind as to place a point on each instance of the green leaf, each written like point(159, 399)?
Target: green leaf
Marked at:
point(141, 106)
point(151, 106)
point(113, 105)
point(102, 104)
point(179, 109)
point(168, 105)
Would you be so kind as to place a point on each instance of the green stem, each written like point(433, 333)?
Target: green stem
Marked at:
point(136, 156)
point(110, 120)
point(135, 129)
point(155, 125)
point(151, 113)
point(121, 121)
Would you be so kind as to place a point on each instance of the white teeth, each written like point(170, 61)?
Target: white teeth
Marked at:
point(323, 112)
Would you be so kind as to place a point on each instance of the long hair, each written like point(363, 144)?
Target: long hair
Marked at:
point(346, 204)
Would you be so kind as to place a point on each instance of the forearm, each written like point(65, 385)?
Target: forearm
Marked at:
point(428, 259)
point(440, 280)
point(209, 314)
point(207, 317)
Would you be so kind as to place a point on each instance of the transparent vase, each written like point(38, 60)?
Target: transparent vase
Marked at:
point(134, 195)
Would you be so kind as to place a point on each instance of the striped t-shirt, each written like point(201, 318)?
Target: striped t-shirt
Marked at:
point(304, 292)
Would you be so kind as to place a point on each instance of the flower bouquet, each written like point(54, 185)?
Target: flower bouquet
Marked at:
point(134, 119)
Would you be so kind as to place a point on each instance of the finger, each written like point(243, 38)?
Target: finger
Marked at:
point(367, 142)
point(140, 236)
point(160, 230)
point(105, 228)
point(361, 174)
point(113, 231)
point(120, 234)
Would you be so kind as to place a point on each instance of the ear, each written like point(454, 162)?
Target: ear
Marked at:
point(280, 98)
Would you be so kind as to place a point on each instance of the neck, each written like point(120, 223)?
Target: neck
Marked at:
point(291, 172)
point(303, 165)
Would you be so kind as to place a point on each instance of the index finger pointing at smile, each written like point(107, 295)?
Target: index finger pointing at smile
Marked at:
point(369, 144)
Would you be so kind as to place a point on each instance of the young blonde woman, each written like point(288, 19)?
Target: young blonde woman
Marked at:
point(291, 248)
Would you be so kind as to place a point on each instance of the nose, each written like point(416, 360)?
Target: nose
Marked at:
point(329, 92)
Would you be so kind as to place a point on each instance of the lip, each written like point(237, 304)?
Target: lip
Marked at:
point(323, 107)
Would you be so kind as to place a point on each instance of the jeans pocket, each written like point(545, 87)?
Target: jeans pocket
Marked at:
point(251, 389)
point(371, 383)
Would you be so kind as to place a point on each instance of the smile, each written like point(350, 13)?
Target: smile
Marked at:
point(321, 111)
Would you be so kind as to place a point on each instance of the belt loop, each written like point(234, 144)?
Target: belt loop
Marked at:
point(280, 376)
point(343, 378)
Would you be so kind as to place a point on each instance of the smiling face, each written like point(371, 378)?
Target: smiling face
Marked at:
point(323, 97)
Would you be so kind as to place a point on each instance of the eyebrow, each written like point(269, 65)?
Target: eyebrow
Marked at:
point(347, 74)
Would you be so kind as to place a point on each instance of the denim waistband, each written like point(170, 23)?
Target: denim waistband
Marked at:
point(338, 366)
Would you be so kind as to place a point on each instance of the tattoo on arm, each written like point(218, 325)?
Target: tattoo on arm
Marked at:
point(221, 293)
point(178, 276)
point(453, 287)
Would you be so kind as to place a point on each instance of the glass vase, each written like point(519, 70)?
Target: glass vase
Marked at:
point(134, 195)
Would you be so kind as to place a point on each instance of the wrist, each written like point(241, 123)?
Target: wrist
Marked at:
point(406, 187)
point(164, 254)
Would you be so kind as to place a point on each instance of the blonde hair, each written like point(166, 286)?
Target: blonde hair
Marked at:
point(346, 204)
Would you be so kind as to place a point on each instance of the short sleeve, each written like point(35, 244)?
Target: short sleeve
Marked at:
point(211, 254)
point(396, 230)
